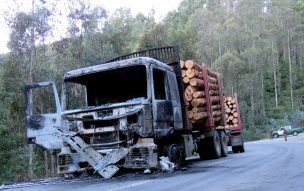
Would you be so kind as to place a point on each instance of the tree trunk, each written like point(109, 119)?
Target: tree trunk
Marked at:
point(192, 73)
point(198, 102)
point(199, 94)
point(188, 97)
point(212, 86)
point(190, 114)
point(212, 80)
point(199, 116)
point(186, 80)
point(196, 82)
point(211, 73)
point(290, 72)
point(215, 99)
point(217, 114)
point(190, 89)
point(46, 166)
point(216, 107)
point(190, 64)
point(52, 163)
point(31, 61)
point(198, 109)
point(182, 64)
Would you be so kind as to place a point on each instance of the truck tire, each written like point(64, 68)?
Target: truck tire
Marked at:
point(235, 149)
point(175, 154)
point(215, 146)
point(210, 148)
point(238, 149)
point(295, 133)
point(241, 149)
point(203, 149)
point(224, 143)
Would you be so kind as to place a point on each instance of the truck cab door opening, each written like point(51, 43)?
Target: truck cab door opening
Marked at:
point(162, 106)
point(42, 118)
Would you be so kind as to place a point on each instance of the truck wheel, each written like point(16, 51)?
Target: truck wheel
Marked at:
point(235, 149)
point(275, 135)
point(210, 148)
point(215, 146)
point(242, 149)
point(295, 133)
point(224, 143)
point(77, 174)
point(175, 154)
point(204, 149)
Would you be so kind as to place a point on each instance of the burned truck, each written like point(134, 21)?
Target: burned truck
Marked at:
point(125, 113)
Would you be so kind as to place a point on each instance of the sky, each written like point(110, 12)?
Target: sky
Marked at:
point(161, 7)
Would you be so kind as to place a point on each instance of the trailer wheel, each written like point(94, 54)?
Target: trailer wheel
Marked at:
point(210, 148)
point(203, 149)
point(238, 149)
point(215, 146)
point(242, 149)
point(224, 143)
point(235, 149)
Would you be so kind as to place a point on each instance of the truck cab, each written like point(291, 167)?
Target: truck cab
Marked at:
point(123, 104)
point(126, 112)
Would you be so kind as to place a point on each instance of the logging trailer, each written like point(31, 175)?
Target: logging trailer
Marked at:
point(128, 112)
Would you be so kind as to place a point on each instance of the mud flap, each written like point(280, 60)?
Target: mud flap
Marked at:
point(101, 164)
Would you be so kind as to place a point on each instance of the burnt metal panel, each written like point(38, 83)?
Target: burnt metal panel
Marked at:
point(162, 118)
point(163, 111)
point(42, 129)
point(170, 56)
point(175, 98)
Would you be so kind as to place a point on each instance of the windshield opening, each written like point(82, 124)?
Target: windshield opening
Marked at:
point(107, 87)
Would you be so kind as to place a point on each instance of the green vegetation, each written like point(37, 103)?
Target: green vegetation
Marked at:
point(256, 45)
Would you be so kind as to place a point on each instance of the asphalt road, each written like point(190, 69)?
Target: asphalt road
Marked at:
point(266, 165)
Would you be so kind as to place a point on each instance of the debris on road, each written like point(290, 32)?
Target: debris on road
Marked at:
point(166, 165)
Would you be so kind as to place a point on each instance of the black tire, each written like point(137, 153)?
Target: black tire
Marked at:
point(238, 149)
point(210, 148)
point(295, 133)
point(241, 149)
point(235, 149)
point(175, 154)
point(215, 146)
point(77, 174)
point(224, 143)
point(203, 149)
point(275, 136)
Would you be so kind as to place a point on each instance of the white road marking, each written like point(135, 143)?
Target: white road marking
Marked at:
point(129, 186)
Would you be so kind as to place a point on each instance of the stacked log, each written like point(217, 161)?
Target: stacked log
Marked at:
point(194, 93)
point(231, 112)
point(214, 96)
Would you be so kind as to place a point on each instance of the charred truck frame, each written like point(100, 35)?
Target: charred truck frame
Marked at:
point(123, 113)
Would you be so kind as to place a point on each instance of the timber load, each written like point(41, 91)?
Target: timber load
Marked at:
point(202, 93)
point(232, 112)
